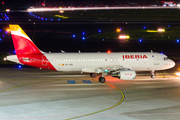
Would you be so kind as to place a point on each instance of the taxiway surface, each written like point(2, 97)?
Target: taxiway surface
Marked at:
point(33, 94)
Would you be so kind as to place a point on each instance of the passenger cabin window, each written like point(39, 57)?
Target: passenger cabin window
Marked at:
point(165, 58)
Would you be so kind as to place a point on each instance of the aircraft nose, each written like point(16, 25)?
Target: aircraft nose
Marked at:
point(171, 63)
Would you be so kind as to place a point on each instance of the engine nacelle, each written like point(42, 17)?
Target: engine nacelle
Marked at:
point(125, 74)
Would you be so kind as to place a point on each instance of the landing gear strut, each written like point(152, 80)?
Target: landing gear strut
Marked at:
point(153, 75)
point(93, 75)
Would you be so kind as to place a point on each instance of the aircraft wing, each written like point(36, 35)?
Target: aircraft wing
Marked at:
point(107, 69)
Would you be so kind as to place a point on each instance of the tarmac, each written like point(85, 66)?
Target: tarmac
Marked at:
point(34, 94)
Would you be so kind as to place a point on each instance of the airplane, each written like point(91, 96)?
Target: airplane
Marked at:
point(122, 65)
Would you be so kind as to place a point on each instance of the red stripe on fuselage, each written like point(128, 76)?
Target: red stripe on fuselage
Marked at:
point(36, 60)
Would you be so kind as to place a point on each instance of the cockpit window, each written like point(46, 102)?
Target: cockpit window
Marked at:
point(165, 58)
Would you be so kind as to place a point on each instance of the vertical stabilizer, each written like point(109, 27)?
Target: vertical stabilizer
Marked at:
point(22, 43)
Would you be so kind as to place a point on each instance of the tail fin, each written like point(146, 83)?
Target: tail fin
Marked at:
point(22, 43)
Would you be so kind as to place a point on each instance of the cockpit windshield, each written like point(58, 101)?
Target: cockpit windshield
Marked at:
point(165, 58)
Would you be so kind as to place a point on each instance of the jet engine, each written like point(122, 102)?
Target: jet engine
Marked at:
point(124, 74)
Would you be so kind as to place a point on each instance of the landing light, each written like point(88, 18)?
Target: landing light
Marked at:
point(177, 73)
point(106, 70)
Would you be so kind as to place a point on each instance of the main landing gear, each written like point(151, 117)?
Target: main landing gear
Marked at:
point(102, 79)
point(153, 75)
point(93, 75)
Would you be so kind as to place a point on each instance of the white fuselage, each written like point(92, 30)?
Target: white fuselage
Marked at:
point(88, 62)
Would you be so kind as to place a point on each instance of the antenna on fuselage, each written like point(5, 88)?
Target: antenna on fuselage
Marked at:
point(151, 51)
point(79, 51)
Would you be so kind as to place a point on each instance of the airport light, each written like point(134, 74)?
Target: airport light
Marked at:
point(118, 30)
point(83, 33)
point(19, 66)
point(7, 10)
point(177, 41)
point(140, 40)
point(161, 30)
point(168, 25)
point(123, 37)
point(8, 30)
point(144, 27)
point(83, 38)
point(74, 36)
point(99, 31)
point(61, 11)
point(0, 39)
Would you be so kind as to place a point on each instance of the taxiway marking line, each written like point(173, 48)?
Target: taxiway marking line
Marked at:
point(22, 85)
point(122, 99)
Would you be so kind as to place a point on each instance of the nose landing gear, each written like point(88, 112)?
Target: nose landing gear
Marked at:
point(153, 75)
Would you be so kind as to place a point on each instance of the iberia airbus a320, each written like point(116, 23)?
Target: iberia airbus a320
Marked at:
point(120, 64)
